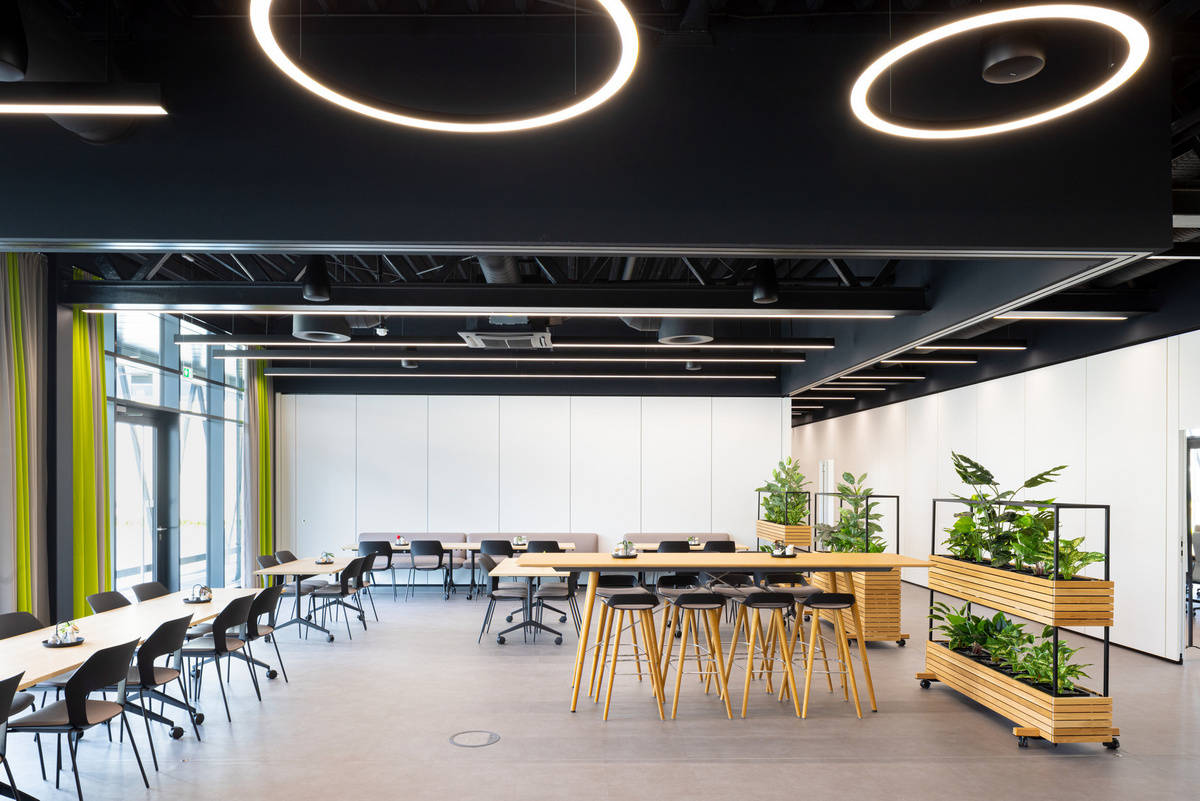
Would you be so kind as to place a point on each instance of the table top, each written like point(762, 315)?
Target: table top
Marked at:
point(511, 568)
point(744, 561)
point(26, 652)
point(653, 546)
point(305, 567)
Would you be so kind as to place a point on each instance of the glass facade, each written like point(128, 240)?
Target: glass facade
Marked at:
point(176, 427)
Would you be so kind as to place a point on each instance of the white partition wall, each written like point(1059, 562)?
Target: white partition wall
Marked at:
point(1116, 419)
point(478, 464)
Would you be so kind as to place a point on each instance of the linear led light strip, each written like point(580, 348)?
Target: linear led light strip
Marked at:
point(1063, 316)
point(89, 109)
point(727, 314)
point(935, 346)
point(853, 387)
point(268, 357)
point(400, 343)
point(886, 377)
point(794, 407)
point(925, 360)
point(826, 398)
point(412, 374)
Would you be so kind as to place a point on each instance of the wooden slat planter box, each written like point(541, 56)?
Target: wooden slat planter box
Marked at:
point(1085, 719)
point(800, 536)
point(1081, 602)
point(878, 598)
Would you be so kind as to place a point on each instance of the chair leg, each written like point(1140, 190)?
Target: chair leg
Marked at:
point(813, 633)
point(11, 781)
point(74, 766)
point(753, 639)
point(787, 653)
point(612, 670)
point(646, 619)
point(191, 711)
point(133, 745)
point(41, 761)
point(596, 647)
point(487, 616)
point(845, 643)
point(374, 611)
point(149, 737)
point(279, 656)
point(394, 584)
point(688, 619)
point(637, 659)
point(248, 658)
point(224, 697)
point(712, 622)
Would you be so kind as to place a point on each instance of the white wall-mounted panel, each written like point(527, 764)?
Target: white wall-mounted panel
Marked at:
point(1000, 420)
point(391, 463)
point(464, 464)
point(1055, 427)
point(606, 467)
point(324, 472)
point(1188, 365)
point(535, 459)
point(958, 432)
point(745, 447)
point(676, 464)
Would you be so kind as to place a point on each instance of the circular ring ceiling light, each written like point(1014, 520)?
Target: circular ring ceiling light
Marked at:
point(1133, 32)
point(260, 22)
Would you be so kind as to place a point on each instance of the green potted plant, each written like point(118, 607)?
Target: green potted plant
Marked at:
point(783, 506)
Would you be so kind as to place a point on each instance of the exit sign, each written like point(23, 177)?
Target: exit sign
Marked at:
point(187, 372)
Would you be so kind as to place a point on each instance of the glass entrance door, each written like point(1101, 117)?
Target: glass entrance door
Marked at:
point(135, 496)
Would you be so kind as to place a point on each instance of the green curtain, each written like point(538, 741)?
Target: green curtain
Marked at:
point(259, 470)
point(89, 469)
point(22, 438)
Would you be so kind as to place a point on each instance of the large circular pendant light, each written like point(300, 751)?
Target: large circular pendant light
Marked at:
point(1129, 28)
point(260, 22)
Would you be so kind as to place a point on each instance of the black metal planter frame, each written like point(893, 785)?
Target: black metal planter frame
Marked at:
point(808, 496)
point(867, 500)
point(1058, 508)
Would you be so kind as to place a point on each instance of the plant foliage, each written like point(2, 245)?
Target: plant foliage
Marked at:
point(857, 519)
point(785, 501)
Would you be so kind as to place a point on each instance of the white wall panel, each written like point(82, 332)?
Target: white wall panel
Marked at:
point(958, 432)
point(745, 447)
point(391, 463)
point(676, 464)
point(535, 459)
point(464, 463)
point(1000, 429)
point(1055, 427)
point(606, 469)
point(920, 480)
point(324, 472)
point(1189, 380)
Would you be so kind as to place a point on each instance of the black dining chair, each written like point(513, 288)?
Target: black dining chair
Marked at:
point(107, 601)
point(307, 581)
point(428, 556)
point(385, 559)
point(8, 708)
point(498, 591)
point(563, 590)
point(265, 603)
point(343, 593)
point(220, 643)
point(147, 680)
point(148, 590)
point(77, 713)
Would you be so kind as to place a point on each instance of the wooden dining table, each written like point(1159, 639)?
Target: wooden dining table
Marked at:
point(300, 569)
point(840, 566)
point(470, 547)
point(511, 568)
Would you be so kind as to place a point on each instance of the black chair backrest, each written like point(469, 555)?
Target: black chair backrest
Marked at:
point(148, 590)
point(108, 667)
point(359, 577)
point(14, 623)
point(720, 546)
point(674, 546)
point(543, 546)
point(266, 560)
point(500, 548)
point(488, 562)
point(380, 553)
point(236, 613)
point(264, 604)
point(166, 639)
point(8, 691)
point(285, 556)
point(426, 548)
point(107, 601)
point(616, 580)
point(351, 574)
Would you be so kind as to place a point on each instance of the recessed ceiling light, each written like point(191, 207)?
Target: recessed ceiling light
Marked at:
point(260, 23)
point(894, 377)
point(1135, 36)
point(1065, 316)
point(266, 355)
point(855, 387)
point(925, 360)
point(826, 398)
point(475, 311)
point(795, 406)
point(276, 341)
point(971, 345)
point(296, 372)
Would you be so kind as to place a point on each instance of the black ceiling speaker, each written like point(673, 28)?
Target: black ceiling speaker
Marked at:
point(14, 48)
point(766, 285)
point(686, 331)
point(316, 280)
point(1012, 58)
point(320, 328)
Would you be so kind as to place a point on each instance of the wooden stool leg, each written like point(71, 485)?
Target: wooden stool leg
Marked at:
point(637, 658)
point(845, 643)
point(824, 657)
point(856, 615)
point(713, 622)
point(670, 617)
point(813, 633)
point(646, 618)
point(608, 622)
point(737, 627)
point(770, 659)
point(612, 670)
point(596, 648)
point(788, 653)
point(750, 660)
point(696, 646)
point(687, 626)
point(669, 613)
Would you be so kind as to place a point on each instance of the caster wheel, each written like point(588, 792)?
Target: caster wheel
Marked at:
point(1022, 742)
point(508, 619)
point(176, 733)
point(926, 684)
point(500, 640)
point(902, 643)
point(272, 674)
point(199, 718)
point(329, 638)
point(1113, 745)
point(562, 618)
point(678, 634)
point(195, 673)
point(268, 638)
point(558, 640)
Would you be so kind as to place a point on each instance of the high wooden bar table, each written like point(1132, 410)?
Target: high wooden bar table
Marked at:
point(840, 565)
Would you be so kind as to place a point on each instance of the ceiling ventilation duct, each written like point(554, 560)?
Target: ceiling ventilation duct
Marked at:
point(501, 270)
point(506, 340)
point(686, 330)
point(320, 328)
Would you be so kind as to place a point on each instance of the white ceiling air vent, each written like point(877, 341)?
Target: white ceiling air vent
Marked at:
point(505, 340)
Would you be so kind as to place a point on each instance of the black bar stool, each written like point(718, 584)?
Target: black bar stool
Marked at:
point(748, 621)
point(711, 662)
point(833, 602)
point(640, 607)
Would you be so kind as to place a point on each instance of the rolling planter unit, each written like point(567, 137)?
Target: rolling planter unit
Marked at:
point(789, 532)
point(1083, 716)
point(877, 595)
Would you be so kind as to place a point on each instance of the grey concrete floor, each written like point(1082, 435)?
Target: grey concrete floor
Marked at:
point(372, 717)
